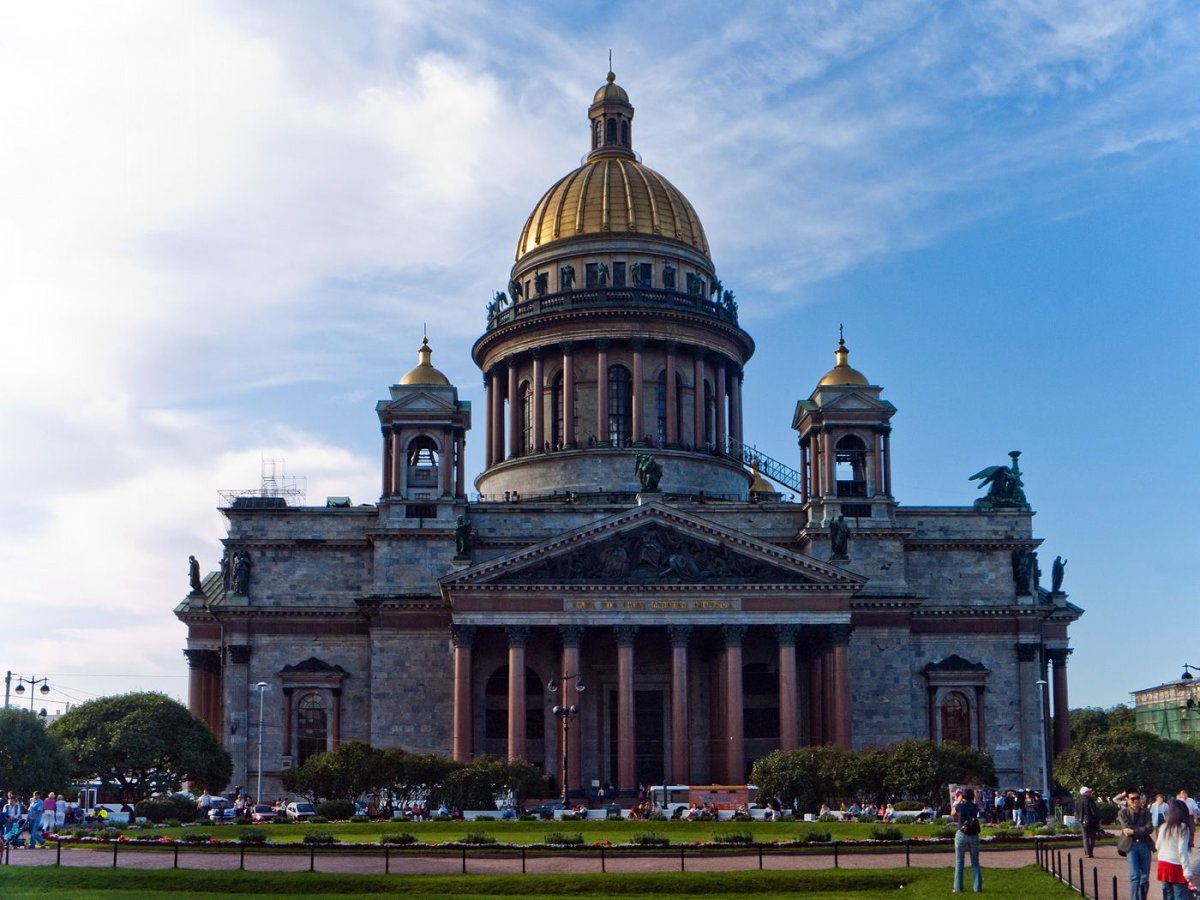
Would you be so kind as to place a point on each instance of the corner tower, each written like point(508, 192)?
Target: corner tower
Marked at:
point(615, 336)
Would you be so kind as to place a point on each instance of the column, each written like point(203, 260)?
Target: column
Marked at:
point(789, 711)
point(489, 391)
point(814, 461)
point(735, 755)
point(1062, 721)
point(840, 689)
point(568, 435)
point(238, 669)
point(444, 462)
point(735, 408)
point(497, 414)
point(877, 440)
point(638, 428)
point(539, 411)
point(197, 682)
point(601, 427)
point(805, 471)
point(337, 717)
point(517, 636)
point(887, 462)
point(981, 720)
point(830, 473)
point(741, 434)
point(387, 462)
point(287, 721)
point(672, 401)
point(721, 376)
point(460, 448)
point(572, 635)
point(464, 717)
point(514, 411)
point(816, 691)
point(399, 462)
point(698, 401)
point(681, 769)
point(626, 772)
point(1032, 733)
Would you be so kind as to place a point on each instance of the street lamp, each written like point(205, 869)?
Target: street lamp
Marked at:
point(20, 688)
point(1042, 683)
point(1187, 674)
point(263, 687)
point(565, 714)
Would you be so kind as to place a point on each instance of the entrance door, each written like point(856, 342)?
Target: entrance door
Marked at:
point(650, 736)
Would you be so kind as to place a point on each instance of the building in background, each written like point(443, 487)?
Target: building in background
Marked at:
point(1170, 710)
point(624, 537)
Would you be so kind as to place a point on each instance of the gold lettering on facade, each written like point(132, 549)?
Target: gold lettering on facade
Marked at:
point(635, 604)
point(582, 604)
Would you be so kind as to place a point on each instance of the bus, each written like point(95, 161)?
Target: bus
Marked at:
point(673, 797)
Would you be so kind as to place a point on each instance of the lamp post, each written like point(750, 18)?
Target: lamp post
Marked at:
point(565, 713)
point(20, 688)
point(1187, 672)
point(1042, 684)
point(263, 687)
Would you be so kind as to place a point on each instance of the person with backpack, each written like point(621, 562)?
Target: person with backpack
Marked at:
point(966, 839)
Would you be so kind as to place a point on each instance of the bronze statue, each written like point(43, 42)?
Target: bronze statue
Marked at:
point(241, 573)
point(1057, 569)
point(839, 538)
point(649, 472)
point(566, 278)
point(226, 570)
point(602, 272)
point(1023, 563)
point(541, 282)
point(514, 290)
point(1005, 488)
point(462, 537)
point(194, 575)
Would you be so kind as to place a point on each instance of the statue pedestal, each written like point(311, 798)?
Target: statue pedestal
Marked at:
point(232, 599)
point(644, 497)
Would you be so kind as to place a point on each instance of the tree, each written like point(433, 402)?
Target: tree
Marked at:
point(808, 776)
point(351, 771)
point(30, 758)
point(142, 743)
point(481, 781)
point(1110, 761)
point(1089, 720)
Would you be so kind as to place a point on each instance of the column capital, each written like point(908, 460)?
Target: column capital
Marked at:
point(571, 635)
point(463, 635)
point(1058, 655)
point(787, 634)
point(638, 343)
point(1027, 651)
point(204, 660)
point(239, 654)
point(671, 346)
point(733, 634)
point(537, 352)
point(518, 635)
point(626, 634)
point(568, 347)
point(679, 634)
point(840, 634)
point(603, 343)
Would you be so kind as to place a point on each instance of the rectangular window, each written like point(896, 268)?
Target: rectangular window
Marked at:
point(618, 274)
point(646, 278)
point(592, 275)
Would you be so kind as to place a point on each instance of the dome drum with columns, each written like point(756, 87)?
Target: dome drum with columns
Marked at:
point(714, 621)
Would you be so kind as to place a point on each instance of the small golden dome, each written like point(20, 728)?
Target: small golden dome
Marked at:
point(842, 374)
point(758, 484)
point(610, 90)
point(424, 373)
point(612, 195)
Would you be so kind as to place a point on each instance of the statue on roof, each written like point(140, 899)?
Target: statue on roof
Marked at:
point(1057, 570)
point(1005, 488)
point(566, 278)
point(649, 472)
point(463, 532)
point(241, 573)
point(514, 290)
point(839, 539)
point(194, 575)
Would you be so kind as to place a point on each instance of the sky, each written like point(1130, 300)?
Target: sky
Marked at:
point(224, 225)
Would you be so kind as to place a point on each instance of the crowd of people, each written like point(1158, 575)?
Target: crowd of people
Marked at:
point(26, 822)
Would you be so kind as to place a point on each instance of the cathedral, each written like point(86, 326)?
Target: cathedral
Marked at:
point(624, 597)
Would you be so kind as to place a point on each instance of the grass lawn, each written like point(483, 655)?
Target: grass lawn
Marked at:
point(516, 832)
point(82, 884)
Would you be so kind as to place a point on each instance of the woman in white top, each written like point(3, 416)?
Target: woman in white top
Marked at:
point(1174, 852)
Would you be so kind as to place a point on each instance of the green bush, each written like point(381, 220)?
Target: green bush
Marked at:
point(402, 839)
point(359, 819)
point(321, 837)
point(1108, 813)
point(159, 809)
point(108, 834)
point(253, 836)
point(908, 806)
point(886, 833)
point(733, 837)
point(815, 837)
point(650, 839)
point(196, 837)
point(945, 831)
point(337, 810)
point(173, 823)
point(827, 817)
point(564, 840)
point(528, 817)
point(478, 837)
point(485, 818)
point(318, 820)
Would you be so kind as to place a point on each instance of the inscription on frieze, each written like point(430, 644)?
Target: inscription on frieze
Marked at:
point(651, 605)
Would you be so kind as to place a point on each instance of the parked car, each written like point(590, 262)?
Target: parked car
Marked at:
point(299, 811)
point(264, 812)
point(545, 810)
point(221, 812)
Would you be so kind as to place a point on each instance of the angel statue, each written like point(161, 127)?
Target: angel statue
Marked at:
point(649, 472)
point(514, 290)
point(1005, 488)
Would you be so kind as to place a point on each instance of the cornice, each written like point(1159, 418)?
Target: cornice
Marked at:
point(267, 544)
point(985, 544)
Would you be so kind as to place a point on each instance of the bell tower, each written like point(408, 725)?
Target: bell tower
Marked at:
point(845, 446)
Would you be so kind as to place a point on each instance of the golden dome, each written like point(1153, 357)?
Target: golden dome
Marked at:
point(612, 195)
point(424, 373)
point(842, 374)
point(610, 90)
point(758, 484)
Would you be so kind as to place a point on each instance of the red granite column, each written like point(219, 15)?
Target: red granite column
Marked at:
point(517, 636)
point(1062, 721)
point(735, 756)
point(887, 462)
point(489, 424)
point(539, 412)
point(196, 682)
point(571, 637)
point(497, 413)
point(464, 716)
point(626, 771)
point(721, 392)
point(460, 449)
point(681, 769)
point(877, 444)
point(568, 435)
point(805, 471)
point(638, 429)
point(816, 691)
point(444, 462)
point(789, 710)
point(814, 462)
point(842, 719)
point(673, 423)
point(698, 401)
point(601, 426)
point(735, 407)
point(398, 464)
point(387, 462)
point(514, 411)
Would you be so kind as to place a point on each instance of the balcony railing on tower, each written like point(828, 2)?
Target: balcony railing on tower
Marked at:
point(600, 297)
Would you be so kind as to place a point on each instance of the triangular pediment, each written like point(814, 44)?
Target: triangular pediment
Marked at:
point(417, 401)
point(654, 545)
point(848, 400)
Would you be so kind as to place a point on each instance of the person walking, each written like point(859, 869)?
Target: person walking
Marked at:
point(34, 817)
point(51, 810)
point(1136, 842)
point(1088, 817)
point(966, 839)
point(1174, 852)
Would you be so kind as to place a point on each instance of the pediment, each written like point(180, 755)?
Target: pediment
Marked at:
point(654, 546)
point(418, 401)
point(855, 400)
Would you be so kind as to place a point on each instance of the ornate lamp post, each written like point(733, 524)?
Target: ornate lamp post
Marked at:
point(20, 688)
point(565, 713)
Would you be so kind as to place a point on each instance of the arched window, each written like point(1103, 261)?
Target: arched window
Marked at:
point(620, 406)
point(610, 133)
point(527, 418)
point(850, 455)
point(423, 459)
point(599, 135)
point(557, 439)
point(956, 719)
point(624, 133)
point(312, 727)
point(710, 417)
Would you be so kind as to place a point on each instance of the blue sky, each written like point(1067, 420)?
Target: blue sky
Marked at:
point(223, 225)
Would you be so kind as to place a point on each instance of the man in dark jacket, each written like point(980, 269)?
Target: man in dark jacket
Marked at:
point(1136, 842)
point(1088, 817)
